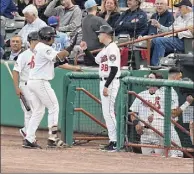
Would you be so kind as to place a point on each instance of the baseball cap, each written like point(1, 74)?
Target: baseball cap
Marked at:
point(90, 4)
point(184, 2)
point(53, 21)
point(105, 29)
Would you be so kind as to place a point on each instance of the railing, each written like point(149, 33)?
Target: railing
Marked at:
point(167, 115)
point(147, 38)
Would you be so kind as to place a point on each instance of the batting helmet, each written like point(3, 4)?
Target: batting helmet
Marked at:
point(33, 36)
point(47, 33)
point(106, 29)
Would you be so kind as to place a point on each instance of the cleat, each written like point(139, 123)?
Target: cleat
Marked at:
point(57, 143)
point(111, 147)
point(29, 145)
point(22, 133)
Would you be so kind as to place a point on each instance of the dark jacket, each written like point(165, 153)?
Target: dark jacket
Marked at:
point(41, 13)
point(6, 55)
point(166, 19)
point(8, 6)
point(114, 16)
point(22, 5)
point(130, 21)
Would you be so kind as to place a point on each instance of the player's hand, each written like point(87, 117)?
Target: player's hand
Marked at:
point(189, 99)
point(105, 91)
point(151, 118)
point(18, 92)
point(139, 129)
point(83, 45)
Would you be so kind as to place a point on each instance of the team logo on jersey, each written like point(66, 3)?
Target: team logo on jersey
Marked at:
point(48, 52)
point(112, 57)
point(104, 59)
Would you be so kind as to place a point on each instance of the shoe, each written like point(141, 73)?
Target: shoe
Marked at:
point(111, 147)
point(22, 133)
point(34, 145)
point(55, 143)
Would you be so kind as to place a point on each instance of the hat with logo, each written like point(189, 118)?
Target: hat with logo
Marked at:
point(184, 2)
point(89, 4)
point(53, 21)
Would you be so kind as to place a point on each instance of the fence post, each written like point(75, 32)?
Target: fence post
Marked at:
point(167, 119)
point(121, 108)
point(66, 82)
point(70, 114)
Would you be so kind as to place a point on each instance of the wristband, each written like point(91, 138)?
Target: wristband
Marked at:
point(135, 122)
point(185, 105)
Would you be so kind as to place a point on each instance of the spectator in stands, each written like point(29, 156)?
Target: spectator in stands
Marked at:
point(8, 9)
point(133, 21)
point(162, 15)
point(90, 24)
point(62, 40)
point(3, 33)
point(162, 45)
point(2, 52)
point(110, 11)
point(41, 6)
point(22, 4)
point(70, 15)
point(34, 23)
point(80, 3)
point(16, 48)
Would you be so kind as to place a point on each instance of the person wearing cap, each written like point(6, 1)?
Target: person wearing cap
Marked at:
point(163, 45)
point(62, 40)
point(133, 21)
point(34, 23)
point(109, 71)
point(70, 15)
point(90, 24)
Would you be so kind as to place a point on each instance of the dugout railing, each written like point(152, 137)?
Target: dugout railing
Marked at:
point(132, 139)
point(82, 107)
point(81, 99)
point(133, 41)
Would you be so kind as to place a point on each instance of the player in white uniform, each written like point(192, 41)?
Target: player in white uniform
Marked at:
point(42, 71)
point(145, 113)
point(20, 74)
point(109, 71)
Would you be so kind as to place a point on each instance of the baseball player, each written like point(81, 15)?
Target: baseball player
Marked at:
point(109, 71)
point(20, 78)
point(145, 113)
point(42, 71)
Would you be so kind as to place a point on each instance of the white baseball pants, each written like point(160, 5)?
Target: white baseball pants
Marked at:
point(108, 108)
point(27, 114)
point(42, 96)
point(155, 139)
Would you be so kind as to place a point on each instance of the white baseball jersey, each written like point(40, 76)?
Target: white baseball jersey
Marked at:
point(141, 108)
point(160, 93)
point(22, 64)
point(42, 66)
point(107, 57)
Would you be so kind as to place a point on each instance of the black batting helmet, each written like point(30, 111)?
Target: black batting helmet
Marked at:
point(33, 36)
point(47, 33)
point(106, 29)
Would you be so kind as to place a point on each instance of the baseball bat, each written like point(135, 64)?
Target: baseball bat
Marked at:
point(21, 96)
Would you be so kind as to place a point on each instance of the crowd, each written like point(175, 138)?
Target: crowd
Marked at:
point(69, 16)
